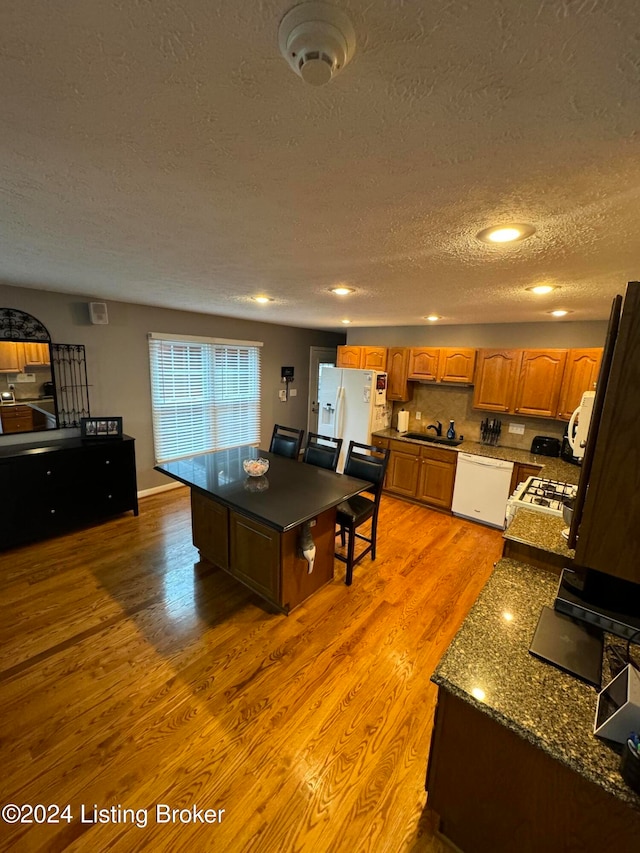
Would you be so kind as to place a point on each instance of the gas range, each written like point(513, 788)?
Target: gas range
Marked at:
point(540, 496)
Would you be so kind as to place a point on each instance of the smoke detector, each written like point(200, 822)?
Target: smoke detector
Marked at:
point(317, 40)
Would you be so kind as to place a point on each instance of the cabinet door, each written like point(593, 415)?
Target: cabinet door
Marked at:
point(437, 475)
point(374, 358)
point(495, 380)
point(521, 471)
point(349, 357)
point(539, 382)
point(9, 359)
point(35, 354)
point(109, 468)
point(398, 367)
point(580, 375)
point(210, 529)
point(423, 363)
point(456, 365)
point(47, 488)
point(255, 555)
point(403, 470)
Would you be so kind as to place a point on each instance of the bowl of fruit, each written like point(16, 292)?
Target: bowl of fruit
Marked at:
point(256, 467)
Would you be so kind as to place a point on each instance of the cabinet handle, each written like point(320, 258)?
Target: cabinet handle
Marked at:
point(53, 512)
point(48, 473)
point(106, 461)
point(109, 496)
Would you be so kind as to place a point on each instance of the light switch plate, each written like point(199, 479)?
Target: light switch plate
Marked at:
point(293, 392)
point(518, 429)
point(26, 377)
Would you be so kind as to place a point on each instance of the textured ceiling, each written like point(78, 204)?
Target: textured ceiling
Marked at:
point(164, 153)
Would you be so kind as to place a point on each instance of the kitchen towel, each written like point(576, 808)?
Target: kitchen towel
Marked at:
point(403, 421)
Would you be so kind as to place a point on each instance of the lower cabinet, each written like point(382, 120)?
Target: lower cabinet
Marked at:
point(425, 474)
point(521, 472)
point(51, 487)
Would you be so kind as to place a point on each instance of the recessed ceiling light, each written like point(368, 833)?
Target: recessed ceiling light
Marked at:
point(342, 291)
point(345, 322)
point(262, 299)
point(559, 312)
point(506, 233)
point(433, 318)
point(541, 289)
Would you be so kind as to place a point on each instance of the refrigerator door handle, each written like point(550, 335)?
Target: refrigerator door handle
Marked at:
point(339, 413)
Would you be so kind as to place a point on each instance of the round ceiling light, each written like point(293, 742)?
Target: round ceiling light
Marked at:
point(262, 299)
point(541, 289)
point(345, 322)
point(560, 312)
point(341, 290)
point(433, 317)
point(506, 233)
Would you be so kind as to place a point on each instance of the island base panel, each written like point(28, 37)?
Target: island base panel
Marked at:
point(297, 583)
point(495, 791)
point(255, 556)
point(210, 529)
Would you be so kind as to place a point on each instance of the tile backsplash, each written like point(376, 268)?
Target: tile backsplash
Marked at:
point(452, 402)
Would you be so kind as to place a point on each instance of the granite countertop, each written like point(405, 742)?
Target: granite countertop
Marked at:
point(550, 709)
point(539, 530)
point(553, 468)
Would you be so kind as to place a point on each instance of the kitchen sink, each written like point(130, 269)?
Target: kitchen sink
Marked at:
point(433, 439)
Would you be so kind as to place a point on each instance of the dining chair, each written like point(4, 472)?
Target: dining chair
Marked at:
point(366, 462)
point(322, 450)
point(286, 441)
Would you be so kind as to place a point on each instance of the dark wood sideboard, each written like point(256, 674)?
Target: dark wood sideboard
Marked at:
point(51, 487)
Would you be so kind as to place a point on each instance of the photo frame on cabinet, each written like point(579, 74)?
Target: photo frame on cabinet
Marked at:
point(96, 428)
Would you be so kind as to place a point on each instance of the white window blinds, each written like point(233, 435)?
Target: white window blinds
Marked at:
point(205, 394)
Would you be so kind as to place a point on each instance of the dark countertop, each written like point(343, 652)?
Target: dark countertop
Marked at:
point(547, 707)
point(290, 493)
point(539, 530)
point(552, 468)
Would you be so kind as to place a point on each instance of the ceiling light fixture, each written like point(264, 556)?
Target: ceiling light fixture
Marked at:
point(559, 312)
point(262, 299)
point(433, 317)
point(317, 40)
point(345, 322)
point(541, 289)
point(506, 233)
point(341, 290)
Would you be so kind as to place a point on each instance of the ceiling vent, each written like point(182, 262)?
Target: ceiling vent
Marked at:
point(317, 40)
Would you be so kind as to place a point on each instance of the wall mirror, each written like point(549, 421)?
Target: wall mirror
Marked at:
point(28, 401)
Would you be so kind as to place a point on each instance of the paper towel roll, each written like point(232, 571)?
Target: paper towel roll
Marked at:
point(403, 421)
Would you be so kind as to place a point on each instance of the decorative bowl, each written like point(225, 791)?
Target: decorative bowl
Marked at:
point(255, 467)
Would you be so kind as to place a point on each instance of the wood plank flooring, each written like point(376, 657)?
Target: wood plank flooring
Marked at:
point(132, 675)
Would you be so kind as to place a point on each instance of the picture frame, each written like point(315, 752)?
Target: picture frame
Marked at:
point(101, 428)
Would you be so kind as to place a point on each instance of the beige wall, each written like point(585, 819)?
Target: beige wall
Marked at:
point(553, 334)
point(118, 360)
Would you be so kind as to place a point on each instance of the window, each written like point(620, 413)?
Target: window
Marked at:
point(205, 394)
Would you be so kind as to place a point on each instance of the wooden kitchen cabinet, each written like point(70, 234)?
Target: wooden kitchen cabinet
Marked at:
point(17, 419)
point(9, 357)
point(362, 358)
point(437, 475)
point(423, 363)
point(521, 471)
point(35, 354)
point(425, 474)
point(539, 382)
point(456, 365)
point(398, 386)
point(495, 379)
point(403, 468)
point(580, 375)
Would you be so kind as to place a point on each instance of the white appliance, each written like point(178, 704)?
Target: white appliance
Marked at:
point(353, 404)
point(481, 489)
point(540, 495)
point(578, 439)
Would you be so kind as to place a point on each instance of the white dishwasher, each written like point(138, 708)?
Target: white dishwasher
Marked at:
point(481, 489)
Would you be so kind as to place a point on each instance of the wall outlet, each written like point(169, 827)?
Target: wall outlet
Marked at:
point(518, 429)
point(283, 396)
point(418, 416)
point(12, 387)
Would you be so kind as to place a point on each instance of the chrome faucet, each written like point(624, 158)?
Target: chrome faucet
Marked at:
point(437, 427)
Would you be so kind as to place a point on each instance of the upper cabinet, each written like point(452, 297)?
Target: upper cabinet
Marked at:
point(456, 365)
point(495, 379)
point(36, 354)
point(363, 358)
point(442, 364)
point(398, 388)
point(539, 382)
point(20, 356)
point(423, 363)
point(580, 375)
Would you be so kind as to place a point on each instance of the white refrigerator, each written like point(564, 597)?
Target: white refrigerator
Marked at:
point(353, 404)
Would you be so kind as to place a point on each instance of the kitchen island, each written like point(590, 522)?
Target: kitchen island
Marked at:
point(514, 764)
point(251, 526)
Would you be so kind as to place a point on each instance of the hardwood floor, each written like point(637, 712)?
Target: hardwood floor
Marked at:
point(132, 675)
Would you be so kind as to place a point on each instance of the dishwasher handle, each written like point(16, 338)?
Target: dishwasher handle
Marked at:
point(484, 461)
